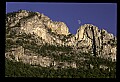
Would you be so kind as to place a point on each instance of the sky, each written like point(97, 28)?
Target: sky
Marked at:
point(102, 15)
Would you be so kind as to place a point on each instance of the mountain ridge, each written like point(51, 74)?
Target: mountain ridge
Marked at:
point(33, 38)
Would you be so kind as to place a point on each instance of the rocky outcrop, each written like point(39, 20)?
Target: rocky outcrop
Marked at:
point(35, 23)
point(20, 54)
point(88, 39)
point(35, 20)
point(96, 41)
point(58, 27)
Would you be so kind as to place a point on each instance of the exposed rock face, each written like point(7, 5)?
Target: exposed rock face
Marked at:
point(20, 54)
point(35, 20)
point(88, 39)
point(58, 27)
point(96, 41)
point(103, 67)
point(35, 23)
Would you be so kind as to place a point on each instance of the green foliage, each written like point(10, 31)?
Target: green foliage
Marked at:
point(8, 44)
point(18, 69)
point(10, 14)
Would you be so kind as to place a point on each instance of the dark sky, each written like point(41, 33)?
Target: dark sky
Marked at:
point(102, 15)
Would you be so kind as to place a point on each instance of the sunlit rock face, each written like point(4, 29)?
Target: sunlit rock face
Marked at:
point(90, 36)
point(36, 23)
point(88, 39)
point(20, 54)
point(58, 27)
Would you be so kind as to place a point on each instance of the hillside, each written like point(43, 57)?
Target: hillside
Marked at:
point(35, 44)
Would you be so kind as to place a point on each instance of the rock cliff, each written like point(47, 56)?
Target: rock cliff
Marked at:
point(98, 41)
point(28, 29)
